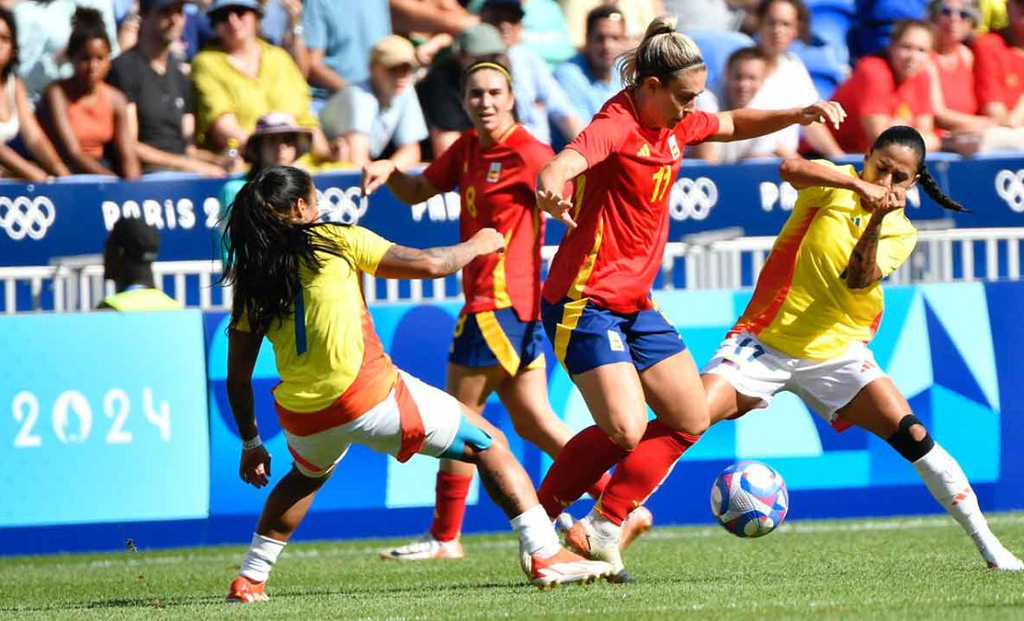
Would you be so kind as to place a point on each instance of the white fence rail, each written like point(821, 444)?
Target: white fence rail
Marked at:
point(714, 260)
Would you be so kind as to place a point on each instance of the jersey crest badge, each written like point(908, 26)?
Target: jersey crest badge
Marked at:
point(673, 146)
point(494, 172)
point(645, 151)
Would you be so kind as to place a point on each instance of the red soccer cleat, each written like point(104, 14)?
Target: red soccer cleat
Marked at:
point(245, 591)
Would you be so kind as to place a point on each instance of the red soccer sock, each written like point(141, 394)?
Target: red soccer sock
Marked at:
point(642, 472)
point(580, 463)
point(597, 489)
point(449, 505)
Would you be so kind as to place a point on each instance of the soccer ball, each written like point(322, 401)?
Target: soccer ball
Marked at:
point(749, 499)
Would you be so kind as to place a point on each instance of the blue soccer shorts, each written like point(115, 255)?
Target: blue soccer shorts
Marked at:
point(586, 336)
point(497, 338)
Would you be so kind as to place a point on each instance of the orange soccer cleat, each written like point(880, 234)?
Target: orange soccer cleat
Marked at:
point(245, 591)
point(562, 568)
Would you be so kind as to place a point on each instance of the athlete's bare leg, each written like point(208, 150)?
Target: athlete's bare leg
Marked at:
point(723, 400)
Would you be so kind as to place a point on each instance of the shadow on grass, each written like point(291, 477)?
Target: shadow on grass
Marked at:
point(208, 600)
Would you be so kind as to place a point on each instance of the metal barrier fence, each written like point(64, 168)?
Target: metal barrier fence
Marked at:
point(710, 260)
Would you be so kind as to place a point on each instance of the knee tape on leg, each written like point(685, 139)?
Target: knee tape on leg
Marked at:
point(470, 434)
point(905, 444)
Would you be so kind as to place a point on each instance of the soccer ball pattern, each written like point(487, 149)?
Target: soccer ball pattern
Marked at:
point(749, 499)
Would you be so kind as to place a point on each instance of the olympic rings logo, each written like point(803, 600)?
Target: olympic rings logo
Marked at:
point(26, 217)
point(692, 199)
point(1010, 188)
point(344, 206)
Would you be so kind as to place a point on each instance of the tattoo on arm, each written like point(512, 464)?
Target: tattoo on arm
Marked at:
point(862, 268)
point(403, 262)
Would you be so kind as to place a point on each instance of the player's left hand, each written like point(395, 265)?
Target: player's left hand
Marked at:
point(828, 112)
point(255, 467)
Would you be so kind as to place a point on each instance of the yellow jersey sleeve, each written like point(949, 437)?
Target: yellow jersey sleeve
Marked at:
point(896, 243)
point(364, 248)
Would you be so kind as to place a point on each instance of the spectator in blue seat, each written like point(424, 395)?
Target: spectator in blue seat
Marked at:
point(16, 118)
point(540, 100)
point(787, 84)
point(128, 257)
point(364, 118)
point(339, 36)
point(590, 78)
point(160, 97)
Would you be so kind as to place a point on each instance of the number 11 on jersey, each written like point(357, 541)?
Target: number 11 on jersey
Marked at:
point(662, 180)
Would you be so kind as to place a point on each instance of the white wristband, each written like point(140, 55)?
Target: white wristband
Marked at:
point(250, 444)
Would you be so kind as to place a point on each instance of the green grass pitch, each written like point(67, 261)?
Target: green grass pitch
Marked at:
point(878, 569)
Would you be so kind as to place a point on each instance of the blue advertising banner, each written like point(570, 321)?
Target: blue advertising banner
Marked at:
point(119, 411)
point(937, 342)
point(39, 222)
point(106, 419)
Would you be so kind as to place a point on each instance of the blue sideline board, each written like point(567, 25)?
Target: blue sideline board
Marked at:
point(952, 349)
point(39, 222)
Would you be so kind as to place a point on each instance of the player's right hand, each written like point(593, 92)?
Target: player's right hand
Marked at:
point(255, 467)
point(489, 240)
point(376, 174)
point(556, 206)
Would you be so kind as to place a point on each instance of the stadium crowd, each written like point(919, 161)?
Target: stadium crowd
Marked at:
point(132, 87)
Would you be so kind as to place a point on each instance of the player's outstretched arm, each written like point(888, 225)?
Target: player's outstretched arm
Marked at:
point(551, 183)
point(243, 349)
point(746, 123)
point(410, 189)
point(412, 263)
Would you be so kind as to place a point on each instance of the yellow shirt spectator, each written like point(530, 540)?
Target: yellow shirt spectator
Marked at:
point(222, 89)
point(802, 306)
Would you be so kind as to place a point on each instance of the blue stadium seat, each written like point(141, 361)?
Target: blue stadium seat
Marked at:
point(873, 22)
point(715, 47)
point(824, 64)
point(831, 22)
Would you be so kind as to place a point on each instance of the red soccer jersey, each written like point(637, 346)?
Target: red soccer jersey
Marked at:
point(621, 207)
point(872, 90)
point(998, 71)
point(498, 189)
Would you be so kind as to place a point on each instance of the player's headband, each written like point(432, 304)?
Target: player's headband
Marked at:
point(489, 65)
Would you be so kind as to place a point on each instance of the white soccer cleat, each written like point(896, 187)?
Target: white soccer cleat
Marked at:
point(583, 538)
point(425, 549)
point(562, 568)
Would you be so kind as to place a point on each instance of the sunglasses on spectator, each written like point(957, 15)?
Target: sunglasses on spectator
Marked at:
point(223, 14)
point(948, 11)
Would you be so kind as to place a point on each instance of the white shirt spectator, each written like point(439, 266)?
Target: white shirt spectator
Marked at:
point(356, 109)
point(763, 146)
point(789, 86)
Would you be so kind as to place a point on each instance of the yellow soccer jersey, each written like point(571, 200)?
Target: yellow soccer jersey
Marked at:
point(328, 351)
point(801, 306)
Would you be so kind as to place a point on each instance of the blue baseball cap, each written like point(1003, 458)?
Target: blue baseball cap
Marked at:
point(220, 5)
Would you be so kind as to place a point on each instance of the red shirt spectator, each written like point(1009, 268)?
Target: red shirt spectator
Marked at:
point(998, 74)
point(952, 78)
point(894, 90)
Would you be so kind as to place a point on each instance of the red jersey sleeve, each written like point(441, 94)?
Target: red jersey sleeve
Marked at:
point(697, 127)
point(444, 172)
point(876, 86)
point(988, 70)
point(602, 137)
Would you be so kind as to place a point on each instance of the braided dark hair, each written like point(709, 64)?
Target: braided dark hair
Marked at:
point(266, 247)
point(910, 138)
